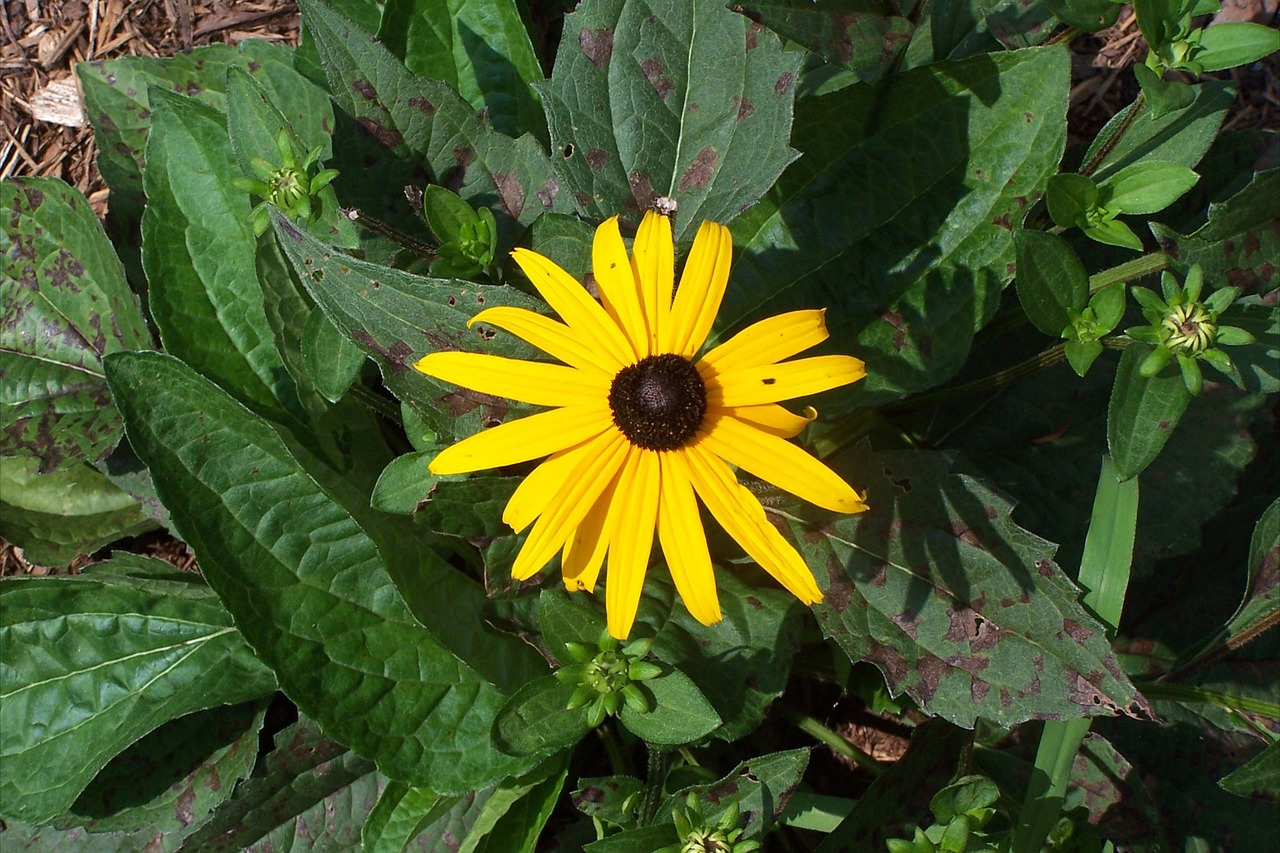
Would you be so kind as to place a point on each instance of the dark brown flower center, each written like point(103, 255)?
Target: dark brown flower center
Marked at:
point(659, 402)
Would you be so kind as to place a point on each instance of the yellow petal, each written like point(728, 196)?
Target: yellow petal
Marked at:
point(779, 462)
point(654, 261)
point(551, 336)
point(528, 381)
point(631, 539)
point(584, 551)
point(535, 491)
point(684, 542)
point(770, 340)
point(575, 306)
point(570, 505)
point(528, 438)
point(786, 380)
point(770, 418)
point(702, 284)
point(743, 518)
point(616, 281)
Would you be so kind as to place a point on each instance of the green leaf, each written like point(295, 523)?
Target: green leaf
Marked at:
point(1113, 232)
point(564, 239)
point(900, 795)
point(480, 49)
point(199, 254)
point(1102, 781)
point(58, 516)
point(1260, 608)
point(955, 604)
point(66, 304)
point(404, 483)
point(536, 719)
point(1239, 244)
point(1165, 97)
point(396, 317)
point(1051, 280)
point(678, 713)
point(1182, 136)
point(646, 839)
point(1069, 198)
point(1088, 15)
point(1082, 355)
point(912, 268)
point(117, 651)
point(117, 103)
point(972, 27)
point(311, 793)
point(446, 213)
point(1145, 187)
point(170, 780)
point(426, 121)
point(860, 35)
point(668, 98)
point(522, 808)
point(1229, 44)
point(319, 608)
point(1142, 413)
point(401, 815)
point(1260, 778)
point(758, 787)
point(605, 798)
point(331, 361)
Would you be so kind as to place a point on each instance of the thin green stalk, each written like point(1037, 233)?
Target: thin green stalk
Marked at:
point(1129, 271)
point(1104, 575)
point(1200, 696)
point(813, 727)
point(994, 382)
point(655, 779)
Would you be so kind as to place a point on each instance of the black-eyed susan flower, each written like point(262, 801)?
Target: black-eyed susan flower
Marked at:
point(639, 426)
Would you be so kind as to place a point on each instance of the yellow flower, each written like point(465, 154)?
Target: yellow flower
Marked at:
point(638, 427)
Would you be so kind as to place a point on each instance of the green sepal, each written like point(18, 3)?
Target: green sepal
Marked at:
point(1144, 334)
point(1155, 362)
point(1191, 375)
point(1219, 300)
point(1108, 307)
point(1234, 336)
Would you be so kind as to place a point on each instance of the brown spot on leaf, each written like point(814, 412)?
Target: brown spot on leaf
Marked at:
point(366, 90)
point(422, 105)
point(908, 621)
point(931, 669)
point(653, 72)
point(511, 191)
point(547, 195)
point(597, 45)
point(839, 588)
point(785, 81)
point(1045, 568)
point(642, 192)
point(388, 136)
point(394, 355)
point(700, 170)
point(1076, 631)
point(597, 159)
point(889, 660)
point(1002, 221)
point(745, 108)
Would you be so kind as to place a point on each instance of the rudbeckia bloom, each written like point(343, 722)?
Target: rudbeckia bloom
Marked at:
point(638, 426)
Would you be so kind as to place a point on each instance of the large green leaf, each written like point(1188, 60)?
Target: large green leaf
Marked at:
point(481, 49)
point(653, 98)
point(397, 317)
point(759, 787)
point(864, 36)
point(899, 217)
point(312, 793)
point(425, 121)
point(1239, 244)
point(65, 303)
point(1182, 136)
point(117, 102)
point(173, 778)
point(58, 516)
point(307, 583)
point(95, 661)
point(1143, 412)
point(958, 606)
point(199, 254)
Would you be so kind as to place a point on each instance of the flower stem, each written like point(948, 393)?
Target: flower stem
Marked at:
point(997, 381)
point(655, 778)
point(1107, 147)
point(1129, 271)
point(811, 726)
point(395, 235)
point(1200, 696)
